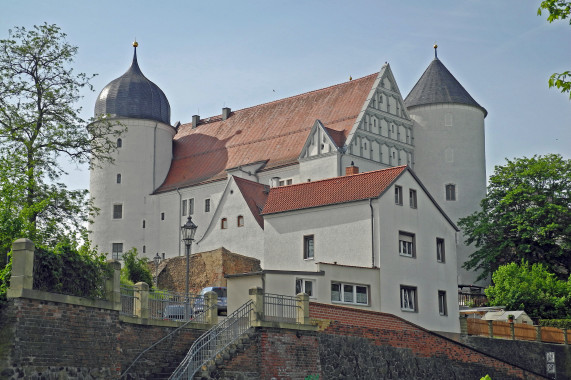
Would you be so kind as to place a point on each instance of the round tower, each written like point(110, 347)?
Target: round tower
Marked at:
point(450, 148)
point(144, 152)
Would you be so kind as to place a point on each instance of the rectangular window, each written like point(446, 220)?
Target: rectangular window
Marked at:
point(304, 286)
point(412, 198)
point(183, 207)
point(406, 244)
point(440, 250)
point(207, 205)
point(349, 293)
point(408, 299)
point(162, 216)
point(442, 309)
point(191, 206)
point(117, 251)
point(308, 247)
point(118, 211)
point(398, 195)
point(450, 192)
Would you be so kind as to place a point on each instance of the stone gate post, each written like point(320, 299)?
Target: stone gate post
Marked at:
point(22, 267)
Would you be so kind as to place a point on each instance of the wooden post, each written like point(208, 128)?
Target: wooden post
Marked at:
point(302, 309)
point(512, 330)
point(565, 336)
point(463, 324)
point(491, 328)
point(22, 267)
point(538, 333)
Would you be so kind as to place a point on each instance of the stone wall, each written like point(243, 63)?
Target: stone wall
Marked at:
point(206, 269)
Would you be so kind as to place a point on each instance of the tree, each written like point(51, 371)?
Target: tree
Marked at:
point(530, 288)
point(525, 215)
point(40, 125)
point(558, 10)
point(135, 269)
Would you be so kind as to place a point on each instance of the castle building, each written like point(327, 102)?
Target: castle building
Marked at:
point(223, 170)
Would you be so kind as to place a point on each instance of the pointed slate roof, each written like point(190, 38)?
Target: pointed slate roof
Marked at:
point(274, 132)
point(132, 95)
point(438, 85)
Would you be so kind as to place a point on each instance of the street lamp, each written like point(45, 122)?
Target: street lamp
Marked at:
point(187, 231)
point(157, 260)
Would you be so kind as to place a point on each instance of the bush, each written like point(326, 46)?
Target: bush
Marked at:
point(135, 269)
point(560, 323)
point(5, 274)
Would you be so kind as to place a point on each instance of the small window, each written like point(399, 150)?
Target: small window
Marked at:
point(442, 309)
point(224, 223)
point(408, 299)
point(304, 286)
point(162, 216)
point(207, 205)
point(119, 143)
point(144, 224)
point(398, 195)
point(240, 222)
point(450, 192)
point(183, 207)
point(440, 257)
point(308, 247)
point(412, 198)
point(144, 249)
point(118, 211)
point(118, 178)
point(117, 251)
point(191, 206)
point(406, 244)
point(349, 293)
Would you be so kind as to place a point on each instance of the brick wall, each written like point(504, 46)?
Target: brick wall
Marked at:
point(374, 337)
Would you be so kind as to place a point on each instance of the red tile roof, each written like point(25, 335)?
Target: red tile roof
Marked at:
point(255, 194)
point(274, 132)
point(331, 191)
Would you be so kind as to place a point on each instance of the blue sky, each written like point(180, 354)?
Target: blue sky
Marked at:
point(209, 54)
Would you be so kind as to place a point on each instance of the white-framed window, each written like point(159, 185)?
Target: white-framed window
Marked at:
point(440, 251)
point(240, 221)
point(285, 182)
point(117, 251)
point(224, 223)
point(450, 192)
point(398, 195)
point(442, 309)
point(191, 206)
point(306, 286)
point(207, 205)
point(349, 293)
point(183, 207)
point(118, 178)
point(406, 244)
point(118, 211)
point(308, 247)
point(412, 198)
point(408, 300)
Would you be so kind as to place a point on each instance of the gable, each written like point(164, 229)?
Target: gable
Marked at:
point(318, 143)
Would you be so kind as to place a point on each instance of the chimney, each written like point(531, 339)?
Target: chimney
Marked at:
point(195, 120)
point(225, 113)
point(350, 170)
point(275, 182)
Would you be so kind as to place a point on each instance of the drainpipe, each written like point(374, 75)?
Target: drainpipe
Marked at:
point(372, 233)
point(179, 214)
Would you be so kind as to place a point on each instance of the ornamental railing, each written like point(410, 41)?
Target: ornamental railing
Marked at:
point(280, 308)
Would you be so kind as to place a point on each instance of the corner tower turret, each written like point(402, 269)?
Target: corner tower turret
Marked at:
point(450, 160)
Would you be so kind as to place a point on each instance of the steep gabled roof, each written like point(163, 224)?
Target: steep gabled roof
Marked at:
point(255, 194)
point(436, 86)
point(275, 132)
point(331, 191)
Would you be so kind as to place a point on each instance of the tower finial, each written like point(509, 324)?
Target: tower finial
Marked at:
point(435, 53)
point(135, 44)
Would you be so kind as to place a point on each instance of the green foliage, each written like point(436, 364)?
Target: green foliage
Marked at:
point(487, 377)
point(530, 288)
point(70, 270)
point(5, 275)
point(312, 377)
point(135, 269)
point(559, 323)
point(525, 215)
point(558, 10)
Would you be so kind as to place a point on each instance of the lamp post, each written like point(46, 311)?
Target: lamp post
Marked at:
point(157, 260)
point(187, 231)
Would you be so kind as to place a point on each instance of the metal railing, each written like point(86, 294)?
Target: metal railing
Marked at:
point(128, 300)
point(279, 308)
point(170, 305)
point(471, 299)
point(205, 348)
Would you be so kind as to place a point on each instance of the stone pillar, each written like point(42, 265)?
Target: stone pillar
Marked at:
point(491, 329)
point(463, 324)
point(565, 340)
point(302, 309)
point(113, 284)
point(141, 308)
point(22, 267)
point(211, 305)
point(538, 333)
point(257, 297)
point(512, 330)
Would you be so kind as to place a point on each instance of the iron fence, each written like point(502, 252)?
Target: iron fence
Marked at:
point(128, 300)
point(174, 306)
point(280, 308)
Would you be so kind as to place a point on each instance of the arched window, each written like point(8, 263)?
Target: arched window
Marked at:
point(224, 223)
point(450, 192)
point(240, 221)
point(119, 143)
